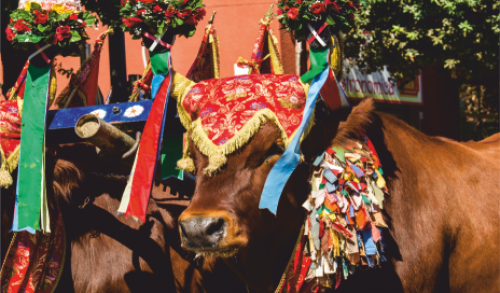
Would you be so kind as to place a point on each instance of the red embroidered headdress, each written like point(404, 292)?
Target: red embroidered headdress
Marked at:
point(221, 115)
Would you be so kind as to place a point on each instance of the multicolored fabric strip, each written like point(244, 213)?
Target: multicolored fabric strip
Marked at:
point(31, 182)
point(344, 226)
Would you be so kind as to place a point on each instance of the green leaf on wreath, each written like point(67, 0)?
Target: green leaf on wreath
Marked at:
point(63, 16)
point(23, 38)
point(75, 36)
point(35, 38)
point(178, 21)
point(35, 6)
point(192, 30)
point(329, 20)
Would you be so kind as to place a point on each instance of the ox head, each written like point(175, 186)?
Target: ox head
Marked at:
point(224, 216)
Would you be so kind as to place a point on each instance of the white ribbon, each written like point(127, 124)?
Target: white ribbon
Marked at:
point(39, 51)
point(155, 43)
point(315, 34)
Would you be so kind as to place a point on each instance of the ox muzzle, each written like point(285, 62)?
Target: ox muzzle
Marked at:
point(210, 232)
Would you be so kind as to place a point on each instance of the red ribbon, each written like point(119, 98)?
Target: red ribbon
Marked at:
point(149, 36)
point(43, 54)
point(312, 38)
point(146, 157)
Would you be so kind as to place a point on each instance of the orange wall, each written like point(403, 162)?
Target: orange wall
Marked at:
point(237, 26)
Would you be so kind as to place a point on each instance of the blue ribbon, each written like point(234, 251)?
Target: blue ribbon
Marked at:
point(282, 170)
point(156, 84)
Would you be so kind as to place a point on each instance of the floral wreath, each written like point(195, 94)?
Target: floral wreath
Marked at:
point(153, 17)
point(61, 24)
point(296, 15)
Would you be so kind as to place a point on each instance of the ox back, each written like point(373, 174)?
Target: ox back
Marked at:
point(107, 252)
point(442, 207)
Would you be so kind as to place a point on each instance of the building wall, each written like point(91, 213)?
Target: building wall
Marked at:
point(237, 25)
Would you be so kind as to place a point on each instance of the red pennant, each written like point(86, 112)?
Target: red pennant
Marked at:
point(330, 92)
point(146, 158)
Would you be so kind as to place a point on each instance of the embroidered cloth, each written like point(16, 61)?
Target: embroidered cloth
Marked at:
point(34, 262)
point(10, 137)
point(228, 111)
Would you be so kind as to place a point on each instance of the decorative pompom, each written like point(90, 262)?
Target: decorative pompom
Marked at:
point(186, 164)
point(5, 178)
point(215, 162)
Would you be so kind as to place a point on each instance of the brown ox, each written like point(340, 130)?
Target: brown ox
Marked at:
point(442, 209)
point(110, 253)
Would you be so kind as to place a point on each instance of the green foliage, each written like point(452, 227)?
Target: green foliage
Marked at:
point(33, 31)
point(294, 15)
point(461, 36)
point(156, 17)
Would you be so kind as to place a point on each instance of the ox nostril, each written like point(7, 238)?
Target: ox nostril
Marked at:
point(183, 229)
point(215, 227)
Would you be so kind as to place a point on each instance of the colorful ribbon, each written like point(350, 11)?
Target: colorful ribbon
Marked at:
point(282, 170)
point(157, 41)
point(136, 196)
point(323, 80)
point(316, 34)
point(31, 200)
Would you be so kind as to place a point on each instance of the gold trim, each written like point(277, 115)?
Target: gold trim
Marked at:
point(274, 52)
point(13, 159)
point(215, 54)
point(283, 277)
point(7, 254)
point(337, 51)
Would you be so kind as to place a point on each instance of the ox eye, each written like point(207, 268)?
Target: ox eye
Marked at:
point(275, 149)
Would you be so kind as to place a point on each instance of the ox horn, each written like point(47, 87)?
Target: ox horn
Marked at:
point(108, 138)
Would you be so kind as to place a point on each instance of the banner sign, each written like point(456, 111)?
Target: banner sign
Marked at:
point(380, 86)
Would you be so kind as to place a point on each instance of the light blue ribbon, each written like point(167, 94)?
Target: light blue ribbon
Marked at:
point(156, 84)
point(282, 170)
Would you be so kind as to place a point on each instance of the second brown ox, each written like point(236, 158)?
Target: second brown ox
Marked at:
point(442, 209)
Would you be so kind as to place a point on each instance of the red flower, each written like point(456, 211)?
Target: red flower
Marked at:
point(141, 11)
point(132, 21)
point(318, 8)
point(20, 26)
point(332, 4)
point(196, 16)
point(63, 32)
point(40, 18)
point(353, 5)
point(157, 9)
point(299, 2)
point(279, 12)
point(11, 21)
point(148, 1)
point(74, 17)
point(293, 13)
point(184, 13)
point(200, 13)
point(350, 17)
point(170, 12)
point(10, 34)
